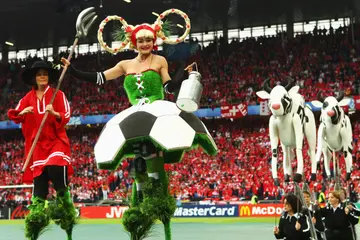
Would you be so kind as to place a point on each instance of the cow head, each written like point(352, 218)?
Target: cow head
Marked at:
point(280, 101)
point(330, 106)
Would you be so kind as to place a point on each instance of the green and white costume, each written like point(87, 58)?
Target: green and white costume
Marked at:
point(154, 132)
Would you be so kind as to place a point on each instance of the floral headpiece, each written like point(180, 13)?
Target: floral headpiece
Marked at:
point(128, 34)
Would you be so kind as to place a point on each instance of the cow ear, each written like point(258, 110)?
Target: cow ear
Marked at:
point(317, 104)
point(294, 90)
point(344, 102)
point(263, 95)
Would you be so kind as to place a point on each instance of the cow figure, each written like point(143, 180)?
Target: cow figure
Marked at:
point(289, 121)
point(335, 132)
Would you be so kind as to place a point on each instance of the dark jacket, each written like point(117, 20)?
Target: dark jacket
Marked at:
point(319, 225)
point(338, 224)
point(287, 227)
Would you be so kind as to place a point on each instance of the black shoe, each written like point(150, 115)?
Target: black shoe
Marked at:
point(298, 178)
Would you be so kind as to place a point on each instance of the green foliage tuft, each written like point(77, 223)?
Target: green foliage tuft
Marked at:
point(137, 223)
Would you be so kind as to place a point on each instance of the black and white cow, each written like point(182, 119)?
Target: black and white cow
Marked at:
point(335, 131)
point(289, 121)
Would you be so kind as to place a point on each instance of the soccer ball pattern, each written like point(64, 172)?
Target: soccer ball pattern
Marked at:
point(161, 121)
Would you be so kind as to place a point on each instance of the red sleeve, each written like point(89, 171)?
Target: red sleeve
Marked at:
point(62, 107)
point(13, 114)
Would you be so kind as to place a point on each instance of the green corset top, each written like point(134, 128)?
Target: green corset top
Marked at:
point(147, 84)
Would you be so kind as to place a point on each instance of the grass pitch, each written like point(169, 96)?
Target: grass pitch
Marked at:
point(174, 220)
point(182, 229)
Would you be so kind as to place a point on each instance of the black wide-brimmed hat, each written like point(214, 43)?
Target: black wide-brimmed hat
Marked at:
point(28, 76)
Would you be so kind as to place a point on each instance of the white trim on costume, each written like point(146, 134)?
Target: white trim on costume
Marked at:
point(38, 105)
point(65, 176)
point(18, 106)
point(43, 102)
point(67, 106)
point(54, 154)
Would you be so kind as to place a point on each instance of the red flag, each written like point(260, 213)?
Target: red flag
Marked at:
point(234, 111)
point(264, 108)
point(357, 102)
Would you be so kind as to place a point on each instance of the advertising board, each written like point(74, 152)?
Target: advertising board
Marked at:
point(260, 210)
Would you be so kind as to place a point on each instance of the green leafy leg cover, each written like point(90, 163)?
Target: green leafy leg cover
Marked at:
point(137, 223)
point(139, 219)
point(158, 202)
point(63, 212)
point(134, 195)
point(155, 165)
point(167, 229)
point(134, 220)
point(170, 203)
point(37, 220)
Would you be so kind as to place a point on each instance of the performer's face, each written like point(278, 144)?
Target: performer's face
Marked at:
point(287, 206)
point(145, 45)
point(333, 200)
point(42, 77)
point(307, 198)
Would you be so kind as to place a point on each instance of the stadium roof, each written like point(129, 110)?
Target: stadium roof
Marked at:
point(35, 23)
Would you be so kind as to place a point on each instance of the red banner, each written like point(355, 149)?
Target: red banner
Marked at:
point(102, 212)
point(234, 111)
point(357, 102)
point(260, 210)
point(245, 210)
point(19, 212)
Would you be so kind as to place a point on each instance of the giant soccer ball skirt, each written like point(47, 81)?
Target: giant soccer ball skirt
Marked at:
point(161, 122)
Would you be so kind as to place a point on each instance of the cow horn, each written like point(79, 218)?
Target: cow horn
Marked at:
point(290, 83)
point(266, 85)
point(340, 96)
point(320, 97)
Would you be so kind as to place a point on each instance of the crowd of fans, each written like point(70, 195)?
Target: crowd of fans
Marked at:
point(242, 167)
point(329, 62)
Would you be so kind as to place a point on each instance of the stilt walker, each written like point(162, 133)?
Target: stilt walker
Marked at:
point(43, 113)
point(153, 131)
point(50, 159)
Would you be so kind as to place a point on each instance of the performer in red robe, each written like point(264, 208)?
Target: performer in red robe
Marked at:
point(51, 159)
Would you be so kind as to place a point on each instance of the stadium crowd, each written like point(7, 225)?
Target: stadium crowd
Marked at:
point(242, 167)
point(315, 60)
